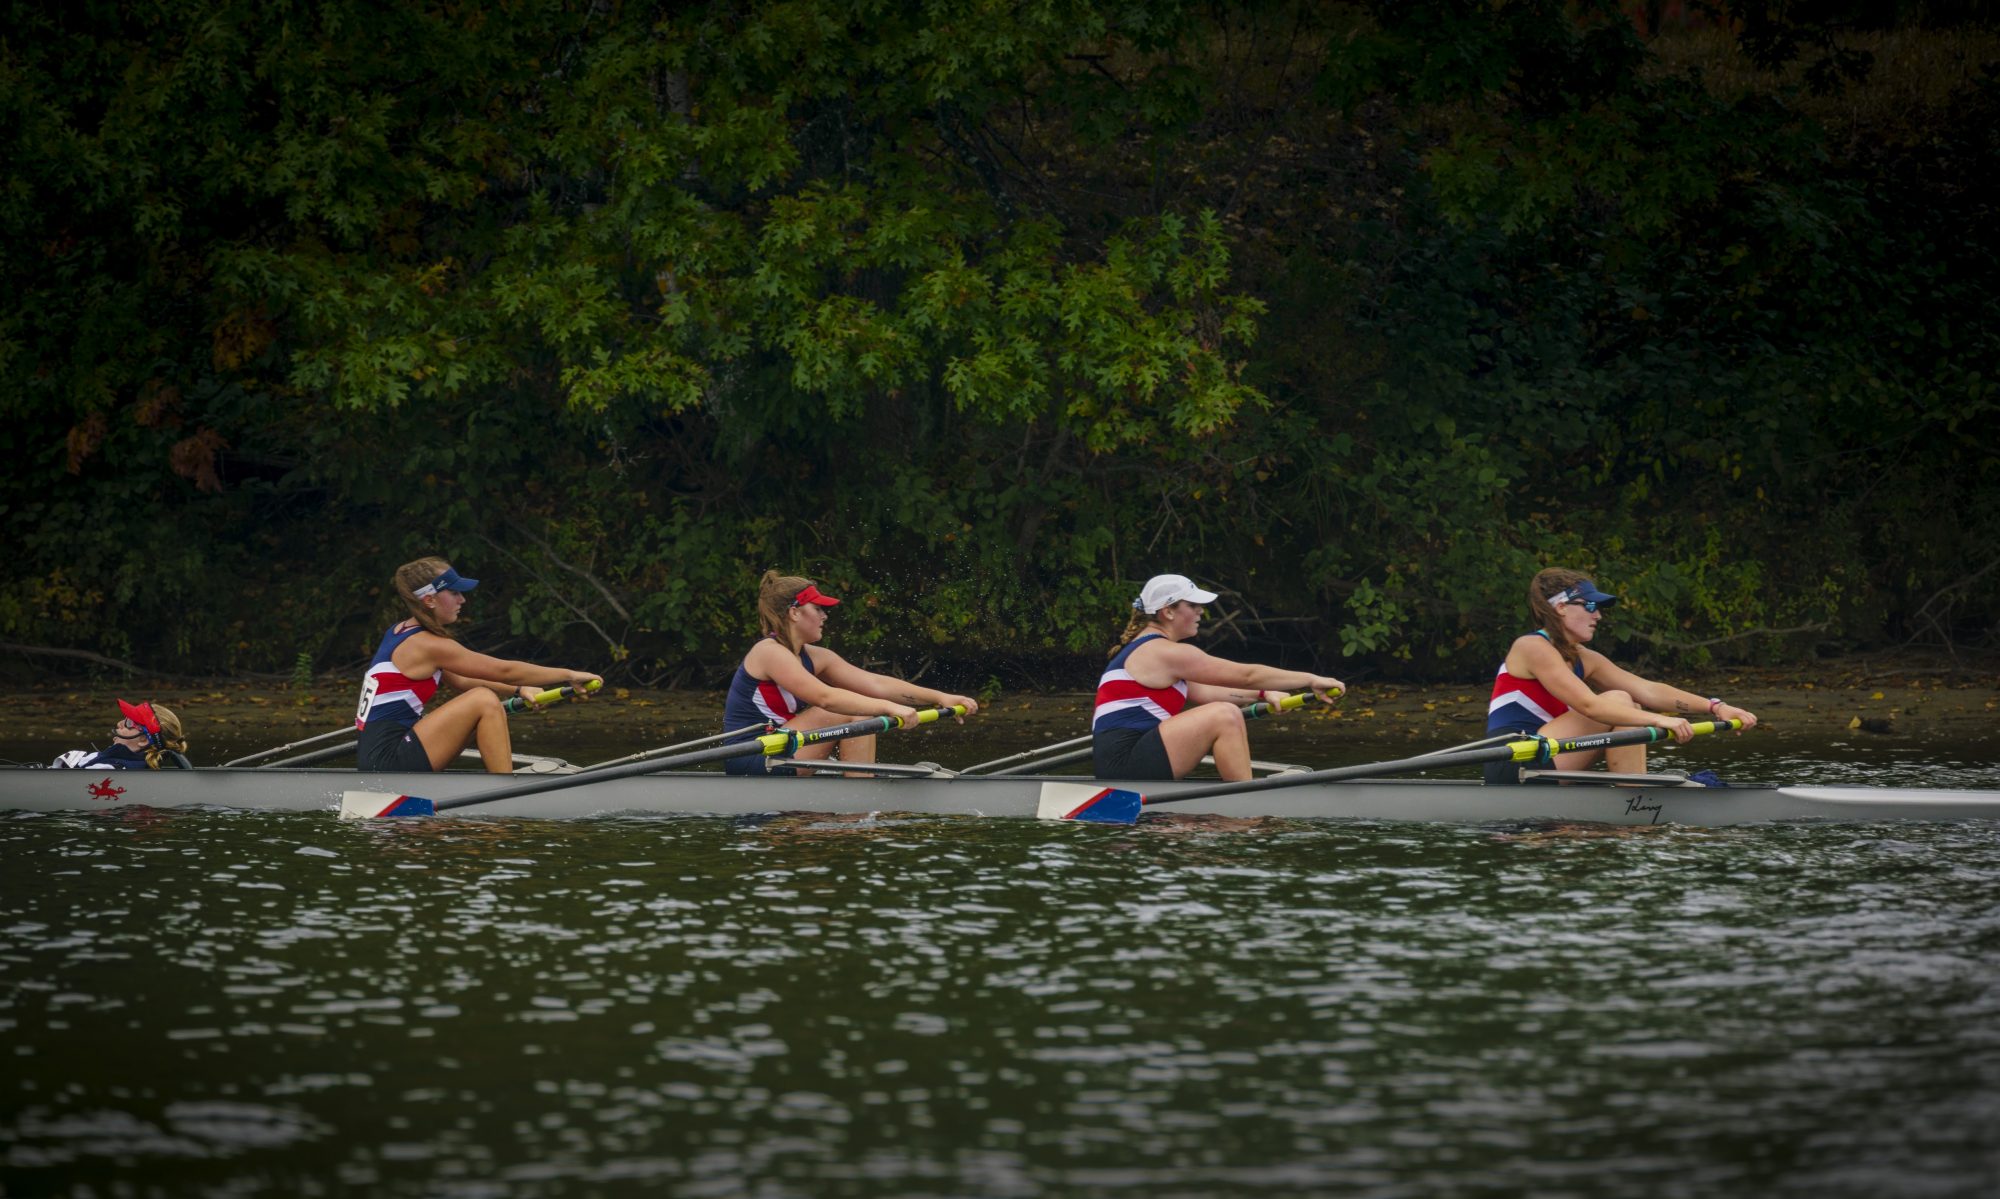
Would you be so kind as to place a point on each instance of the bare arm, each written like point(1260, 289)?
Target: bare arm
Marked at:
point(1210, 678)
point(1535, 658)
point(840, 671)
point(1659, 696)
point(772, 661)
point(465, 669)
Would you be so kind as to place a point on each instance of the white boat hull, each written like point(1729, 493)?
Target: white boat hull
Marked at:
point(1398, 799)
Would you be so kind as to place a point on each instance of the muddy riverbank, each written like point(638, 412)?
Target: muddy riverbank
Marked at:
point(227, 719)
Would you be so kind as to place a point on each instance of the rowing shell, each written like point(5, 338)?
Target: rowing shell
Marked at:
point(687, 793)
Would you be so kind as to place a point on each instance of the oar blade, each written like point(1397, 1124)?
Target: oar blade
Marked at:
point(377, 805)
point(1088, 803)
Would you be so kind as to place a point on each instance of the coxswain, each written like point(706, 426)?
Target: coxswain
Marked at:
point(146, 737)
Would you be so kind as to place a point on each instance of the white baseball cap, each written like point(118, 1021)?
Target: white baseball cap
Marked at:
point(1161, 590)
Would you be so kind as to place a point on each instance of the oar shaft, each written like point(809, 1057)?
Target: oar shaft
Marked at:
point(346, 730)
point(1524, 750)
point(762, 726)
point(1026, 754)
point(770, 743)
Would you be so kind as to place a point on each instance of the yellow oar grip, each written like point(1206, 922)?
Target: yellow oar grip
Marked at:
point(927, 715)
point(544, 698)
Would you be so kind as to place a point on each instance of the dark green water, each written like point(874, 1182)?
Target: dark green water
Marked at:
point(215, 1004)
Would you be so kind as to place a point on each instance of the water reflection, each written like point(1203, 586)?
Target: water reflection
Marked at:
point(221, 1003)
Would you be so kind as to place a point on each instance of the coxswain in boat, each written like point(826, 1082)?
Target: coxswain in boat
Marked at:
point(790, 680)
point(1163, 705)
point(146, 737)
point(422, 651)
point(1554, 685)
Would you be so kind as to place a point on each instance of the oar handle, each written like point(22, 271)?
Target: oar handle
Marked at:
point(543, 699)
point(1291, 703)
point(1527, 749)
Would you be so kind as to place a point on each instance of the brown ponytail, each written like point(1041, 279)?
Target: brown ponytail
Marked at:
point(421, 573)
point(775, 593)
point(1554, 581)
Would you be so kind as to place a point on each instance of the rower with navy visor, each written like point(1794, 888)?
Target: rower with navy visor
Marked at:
point(421, 652)
point(1553, 685)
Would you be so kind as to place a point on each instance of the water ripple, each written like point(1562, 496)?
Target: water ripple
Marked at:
point(216, 1003)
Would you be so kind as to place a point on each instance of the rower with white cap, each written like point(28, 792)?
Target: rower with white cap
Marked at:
point(1163, 705)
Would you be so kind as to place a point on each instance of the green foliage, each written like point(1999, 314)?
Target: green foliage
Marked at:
point(980, 314)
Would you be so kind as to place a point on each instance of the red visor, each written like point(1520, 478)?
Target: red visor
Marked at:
point(141, 715)
point(811, 595)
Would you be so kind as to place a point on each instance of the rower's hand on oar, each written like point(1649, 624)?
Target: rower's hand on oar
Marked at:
point(1732, 712)
point(582, 684)
point(970, 705)
point(529, 694)
point(1683, 731)
point(1328, 689)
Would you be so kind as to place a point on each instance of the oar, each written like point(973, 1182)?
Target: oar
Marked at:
point(1056, 756)
point(543, 699)
point(363, 805)
point(1116, 805)
point(346, 730)
point(762, 726)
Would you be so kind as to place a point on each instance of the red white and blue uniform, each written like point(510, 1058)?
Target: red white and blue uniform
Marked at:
point(1125, 703)
point(1522, 705)
point(387, 696)
point(758, 701)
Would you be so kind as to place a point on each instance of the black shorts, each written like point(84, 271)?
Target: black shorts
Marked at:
point(757, 765)
point(1137, 754)
point(388, 748)
point(1508, 773)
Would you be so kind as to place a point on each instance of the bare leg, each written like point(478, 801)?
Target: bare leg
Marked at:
point(475, 715)
point(1215, 728)
point(858, 750)
point(1621, 759)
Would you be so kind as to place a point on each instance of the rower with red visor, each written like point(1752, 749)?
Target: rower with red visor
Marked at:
point(789, 680)
point(147, 737)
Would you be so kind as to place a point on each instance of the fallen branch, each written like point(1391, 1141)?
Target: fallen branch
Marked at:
point(1760, 631)
point(96, 659)
point(574, 569)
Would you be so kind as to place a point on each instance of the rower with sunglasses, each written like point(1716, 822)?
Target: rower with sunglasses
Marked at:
point(147, 737)
point(400, 729)
point(783, 683)
point(1553, 685)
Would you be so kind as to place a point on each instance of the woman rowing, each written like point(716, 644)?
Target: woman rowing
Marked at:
point(417, 654)
point(783, 682)
point(1552, 685)
point(1143, 726)
point(146, 737)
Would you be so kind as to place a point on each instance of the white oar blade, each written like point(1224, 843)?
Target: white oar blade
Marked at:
point(1082, 801)
point(375, 805)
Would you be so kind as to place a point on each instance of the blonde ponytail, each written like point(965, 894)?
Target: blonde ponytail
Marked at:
point(171, 738)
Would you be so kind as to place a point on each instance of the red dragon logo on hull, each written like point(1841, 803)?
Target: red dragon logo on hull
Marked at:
point(106, 791)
